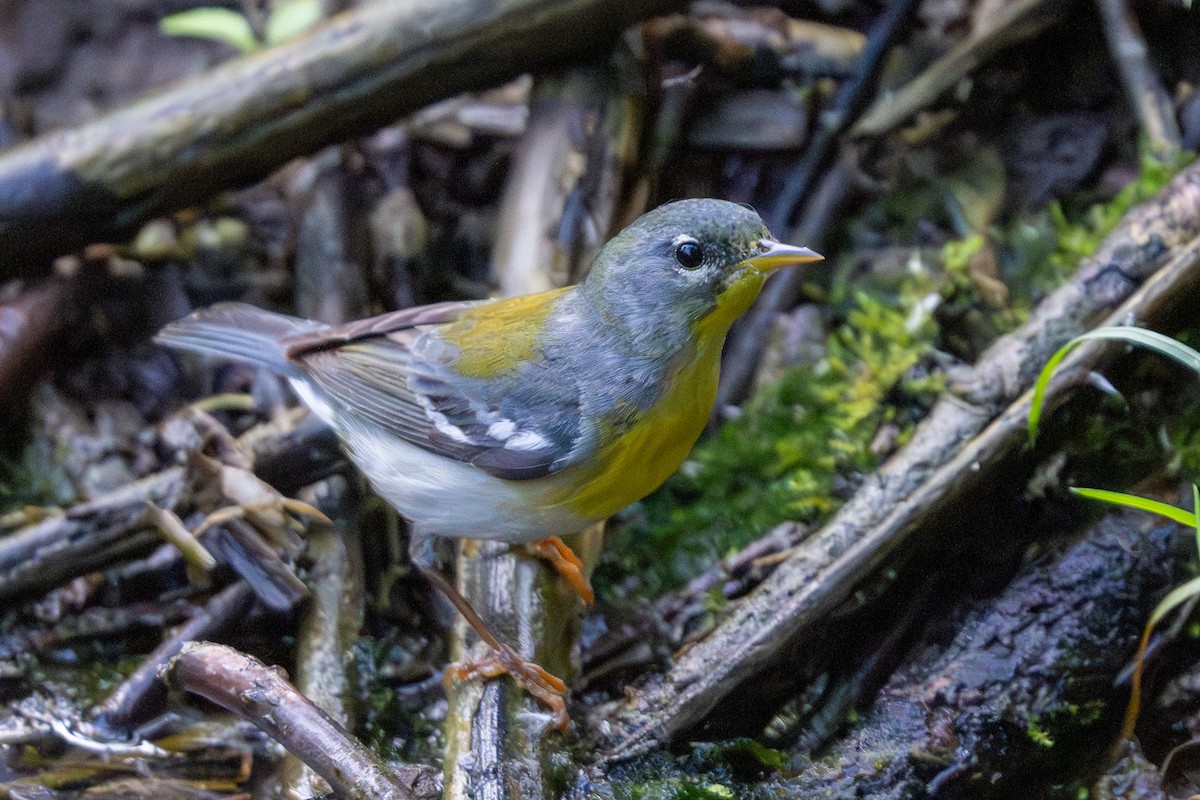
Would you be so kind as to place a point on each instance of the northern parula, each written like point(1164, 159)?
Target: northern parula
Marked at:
point(520, 418)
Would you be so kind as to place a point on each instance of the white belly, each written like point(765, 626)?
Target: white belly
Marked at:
point(444, 497)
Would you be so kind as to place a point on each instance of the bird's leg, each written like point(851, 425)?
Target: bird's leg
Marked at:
point(566, 563)
point(547, 688)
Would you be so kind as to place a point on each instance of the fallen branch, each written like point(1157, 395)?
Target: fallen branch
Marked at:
point(356, 72)
point(1027, 685)
point(1143, 90)
point(142, 692)
point(92, 535)
point(262, 694)
point(1015, 22)
point(967, 440)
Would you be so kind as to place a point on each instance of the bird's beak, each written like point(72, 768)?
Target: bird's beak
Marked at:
point(775, 255)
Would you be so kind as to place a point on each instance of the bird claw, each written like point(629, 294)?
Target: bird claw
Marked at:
point(566, 563)
point(547, 689)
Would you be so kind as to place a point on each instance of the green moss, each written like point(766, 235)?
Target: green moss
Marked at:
point(1037, 734)
point(739, 768)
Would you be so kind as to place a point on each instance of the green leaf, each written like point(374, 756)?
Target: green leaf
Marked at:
point(1152, 340)
point(1196, 514)
point(291, 19)
point(220, 24)
point(1141, 503)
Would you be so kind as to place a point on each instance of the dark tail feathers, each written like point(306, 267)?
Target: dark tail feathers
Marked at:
point(238, 331)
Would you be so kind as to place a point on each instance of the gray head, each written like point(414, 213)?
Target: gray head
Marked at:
point(675, 264)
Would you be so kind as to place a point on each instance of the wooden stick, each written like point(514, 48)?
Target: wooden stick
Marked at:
point(1143, 90)
point(356, 72)
point(244, 685)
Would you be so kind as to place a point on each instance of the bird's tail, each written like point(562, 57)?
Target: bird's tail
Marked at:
point(238, 331)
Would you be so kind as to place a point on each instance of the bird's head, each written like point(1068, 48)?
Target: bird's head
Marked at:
point(684, 260)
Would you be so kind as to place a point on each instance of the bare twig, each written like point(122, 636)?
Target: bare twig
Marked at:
point(745, 341)
point(1015, 22)
point(138, 694)
point(262, 694)
point(1143, 90)
point(88, 536)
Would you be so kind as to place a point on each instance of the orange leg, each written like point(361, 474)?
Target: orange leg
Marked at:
point(543, 686)
point(547, 688)
point(564, 560)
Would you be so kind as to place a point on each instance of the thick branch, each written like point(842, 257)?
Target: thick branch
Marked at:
point(263, 695)
point(353, 74)
point(1027, 686)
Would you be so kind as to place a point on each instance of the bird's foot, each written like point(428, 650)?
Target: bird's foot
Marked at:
point(546, 688)
point(566, 563)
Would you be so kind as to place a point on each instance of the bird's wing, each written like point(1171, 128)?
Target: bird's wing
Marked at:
point(453, 379)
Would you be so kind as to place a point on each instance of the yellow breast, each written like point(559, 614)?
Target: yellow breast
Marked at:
point(656, 444)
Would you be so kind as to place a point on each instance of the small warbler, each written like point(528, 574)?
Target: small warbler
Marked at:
point(520, 418)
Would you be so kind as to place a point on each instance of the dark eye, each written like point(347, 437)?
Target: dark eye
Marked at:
point(689, 255)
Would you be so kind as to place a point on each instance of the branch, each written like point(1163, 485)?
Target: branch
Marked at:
point(1143, 90)
point(1014, 22)
point(358, 71)
point(262, 694)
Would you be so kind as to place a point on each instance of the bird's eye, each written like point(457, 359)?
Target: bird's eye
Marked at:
point(689, 255)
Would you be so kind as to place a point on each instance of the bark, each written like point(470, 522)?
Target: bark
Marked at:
point(970, 439)
point(263, 695)
point(329, 629)
point(354, 73)
point(1025, 695)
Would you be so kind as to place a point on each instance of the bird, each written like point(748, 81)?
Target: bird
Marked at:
point(517, 419)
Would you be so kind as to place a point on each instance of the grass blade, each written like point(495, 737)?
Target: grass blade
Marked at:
point(1152, 340)
point(1182, 516)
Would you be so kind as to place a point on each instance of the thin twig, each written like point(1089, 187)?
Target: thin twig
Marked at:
point(1143, 89)
point(142, 691)
point(1015, 22)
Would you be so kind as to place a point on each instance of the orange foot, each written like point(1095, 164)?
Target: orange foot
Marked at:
point(547, 688)
point(564, 560)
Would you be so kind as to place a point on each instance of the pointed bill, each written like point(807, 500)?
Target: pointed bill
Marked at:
point(775, 255)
